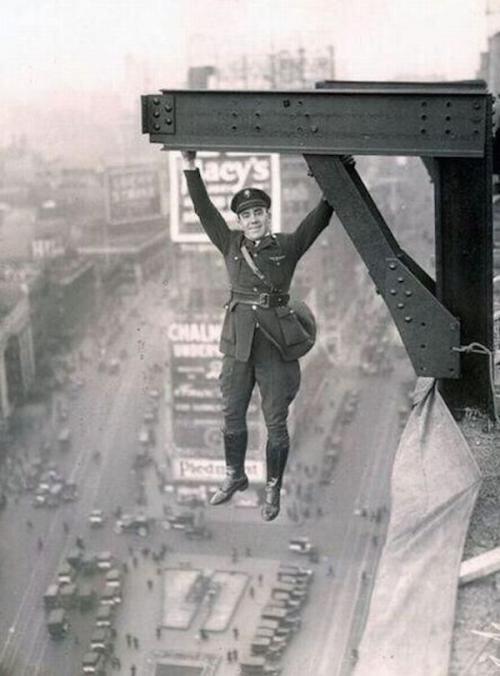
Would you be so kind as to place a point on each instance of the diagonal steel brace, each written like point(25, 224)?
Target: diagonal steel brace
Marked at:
point(428, 330)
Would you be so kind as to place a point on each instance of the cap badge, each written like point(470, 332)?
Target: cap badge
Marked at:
point(247, 193)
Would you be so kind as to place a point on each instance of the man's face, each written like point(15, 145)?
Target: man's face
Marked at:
point(256, 222)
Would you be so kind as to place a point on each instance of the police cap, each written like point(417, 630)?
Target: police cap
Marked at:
point(249, 198)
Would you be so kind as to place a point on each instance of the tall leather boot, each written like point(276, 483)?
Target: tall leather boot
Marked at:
point(235, 446)
point(276, 458)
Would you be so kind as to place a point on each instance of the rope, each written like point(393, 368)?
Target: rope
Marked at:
point(478, 348)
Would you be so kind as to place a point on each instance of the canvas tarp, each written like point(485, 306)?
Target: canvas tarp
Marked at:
point(434, 485)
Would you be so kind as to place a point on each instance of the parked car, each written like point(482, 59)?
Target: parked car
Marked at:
point(51, 597)
point(198, 533)
point(104, 560)
point(86, 596)
point(300, 545)
point(181, 520)
point(57, 623)
point(96, 518)
point(104, 616)
point(69, 491)
point(150, 416)
point(64, 439)
point(142, 458)
point(65, 574)
point(88, 564)
point(101, 640)
point(138, 524)
point(114, 577)
point(111, 595)
point(94, 663)
point(69, 595)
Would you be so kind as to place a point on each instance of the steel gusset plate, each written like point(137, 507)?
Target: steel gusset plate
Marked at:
point(428, 330)
point(158, 114)
point(378, 121)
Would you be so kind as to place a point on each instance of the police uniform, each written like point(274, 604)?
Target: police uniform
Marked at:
point(261, 338)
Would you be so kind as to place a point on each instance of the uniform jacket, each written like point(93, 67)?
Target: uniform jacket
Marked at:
point(276, 256)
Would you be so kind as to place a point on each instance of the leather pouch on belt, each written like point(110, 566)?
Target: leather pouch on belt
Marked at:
point(292, 329)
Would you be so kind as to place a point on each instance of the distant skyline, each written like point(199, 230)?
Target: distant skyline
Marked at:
point(82, 45)
point(72, 71)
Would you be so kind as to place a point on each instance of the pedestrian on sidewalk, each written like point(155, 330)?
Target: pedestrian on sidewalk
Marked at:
point(229, 656)
point(136, 642)
point(260, 579)
point(235, 655)
point(251, 591)
point(158, 632)
point(133, 670)
point(128, 638)
point(150, 584)
point(236, 633)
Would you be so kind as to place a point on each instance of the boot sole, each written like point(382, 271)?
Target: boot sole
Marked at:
point(228, 496)
point(267, 517)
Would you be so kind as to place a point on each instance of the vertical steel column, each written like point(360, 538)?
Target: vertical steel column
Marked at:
point(464, 268)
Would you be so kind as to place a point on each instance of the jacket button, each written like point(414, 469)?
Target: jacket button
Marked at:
point(254, 307)
point(236, 258)
point(255, 289)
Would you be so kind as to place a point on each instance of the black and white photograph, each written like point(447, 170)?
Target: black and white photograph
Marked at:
point(250, 338)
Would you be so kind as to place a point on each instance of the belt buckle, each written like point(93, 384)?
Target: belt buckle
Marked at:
point(264, 300)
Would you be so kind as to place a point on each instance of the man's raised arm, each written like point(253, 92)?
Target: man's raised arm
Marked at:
point(316, 220)
point(211, 220)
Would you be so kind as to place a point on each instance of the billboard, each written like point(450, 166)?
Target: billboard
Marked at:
point(223, 174)
point(196, 402)
point(134, 193)
point(206, 470)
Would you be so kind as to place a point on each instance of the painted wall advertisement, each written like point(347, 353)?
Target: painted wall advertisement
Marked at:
point(134, 193)
point(224, 174)
point(195, 365)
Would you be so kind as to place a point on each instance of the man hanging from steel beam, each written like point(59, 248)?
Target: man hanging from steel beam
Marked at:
point(264, 334)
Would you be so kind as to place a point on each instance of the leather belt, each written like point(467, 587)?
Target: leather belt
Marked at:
point(264, 300)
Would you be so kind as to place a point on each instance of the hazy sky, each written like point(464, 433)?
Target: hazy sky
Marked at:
point(81, 44)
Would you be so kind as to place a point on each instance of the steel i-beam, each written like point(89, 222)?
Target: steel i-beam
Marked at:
point(443, 120)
